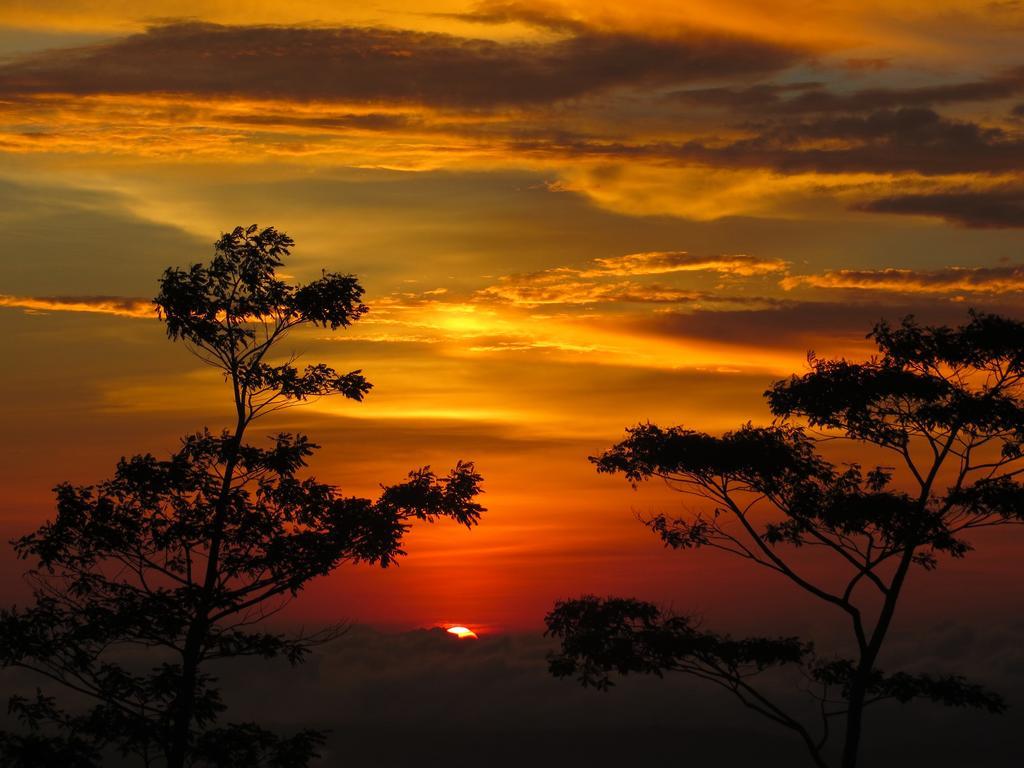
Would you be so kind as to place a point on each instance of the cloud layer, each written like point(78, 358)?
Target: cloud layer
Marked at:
point(999, 208)
point(105, 305)
point(981, 280)
point(373, 65)
point(665, 262)
point(712, 121)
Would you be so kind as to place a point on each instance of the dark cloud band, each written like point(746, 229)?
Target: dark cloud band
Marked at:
point(374, 64)
point(982, 209)
point(815, 98)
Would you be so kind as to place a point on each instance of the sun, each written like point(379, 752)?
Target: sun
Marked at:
point(463, 633)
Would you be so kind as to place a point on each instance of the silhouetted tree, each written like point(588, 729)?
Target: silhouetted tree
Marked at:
point(946, 403)
point(144, 579)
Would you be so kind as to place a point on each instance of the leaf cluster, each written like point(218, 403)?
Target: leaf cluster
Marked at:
point(121, 566)
point(603, 637)
point(628, 636)
point(233, 310)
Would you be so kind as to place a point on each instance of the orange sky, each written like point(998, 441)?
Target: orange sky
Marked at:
point(569, 218)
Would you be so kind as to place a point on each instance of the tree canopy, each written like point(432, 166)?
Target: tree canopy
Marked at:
point(947, 404)
point(143, 580)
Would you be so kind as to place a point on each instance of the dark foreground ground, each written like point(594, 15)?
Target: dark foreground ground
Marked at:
point(425, 699)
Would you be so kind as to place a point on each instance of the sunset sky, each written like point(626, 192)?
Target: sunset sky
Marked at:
point(569, 217)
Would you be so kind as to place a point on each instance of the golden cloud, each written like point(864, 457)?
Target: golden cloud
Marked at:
point(594, 285)
point(990, 280)
point(105, 305)
point(664, 262)
point(565, 286)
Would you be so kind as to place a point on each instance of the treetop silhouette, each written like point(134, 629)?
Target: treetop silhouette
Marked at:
point(233, 311)
point(946, 403)
point(143, 580)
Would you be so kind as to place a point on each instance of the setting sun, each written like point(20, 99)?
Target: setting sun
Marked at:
point(463, 633)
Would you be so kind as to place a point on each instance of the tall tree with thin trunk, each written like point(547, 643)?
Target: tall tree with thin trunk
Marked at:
point(141, 582)
point(947, 407)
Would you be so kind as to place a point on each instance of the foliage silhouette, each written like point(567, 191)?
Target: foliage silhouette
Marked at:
point(946, 403)
point(141, 581)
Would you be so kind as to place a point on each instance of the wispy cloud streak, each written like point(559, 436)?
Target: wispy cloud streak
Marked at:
point(990, 280)
point(105, 305)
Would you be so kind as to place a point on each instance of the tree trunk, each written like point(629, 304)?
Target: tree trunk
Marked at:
point(868, 657)
point(855, 716)
point(184, 703)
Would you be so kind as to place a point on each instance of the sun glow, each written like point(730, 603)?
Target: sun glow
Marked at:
point(463, 633)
